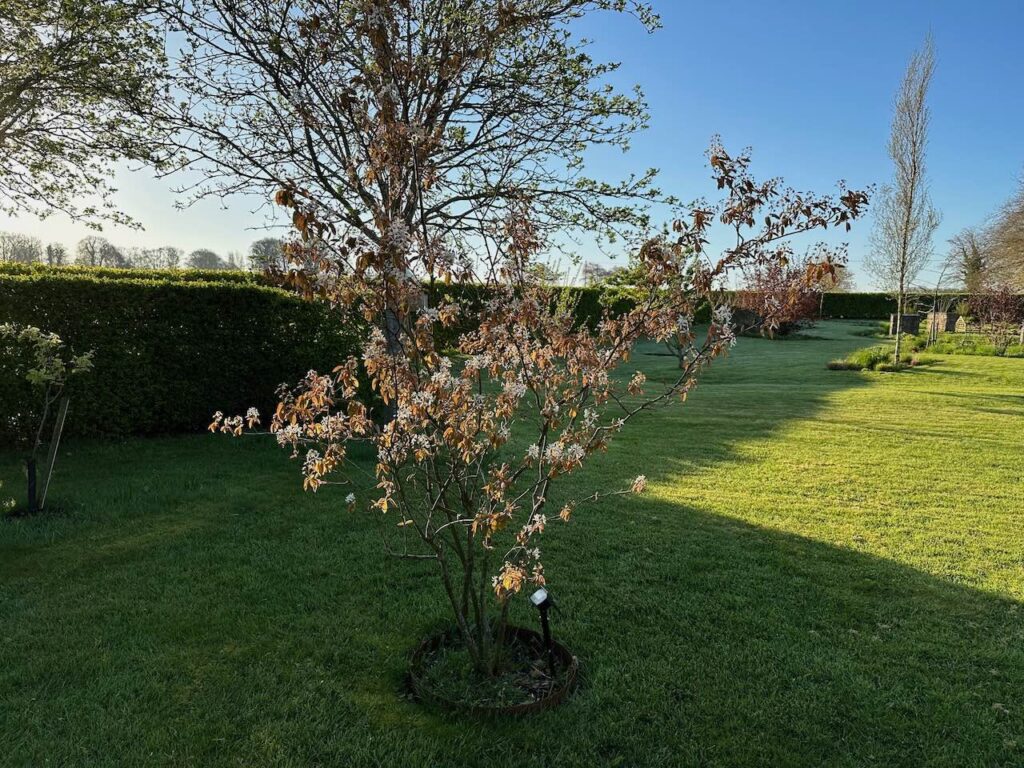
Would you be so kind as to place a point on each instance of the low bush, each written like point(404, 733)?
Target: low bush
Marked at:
point(915, 343)
point(876, 359)
point(842, 364)
point(7, 504)
point(870, 357)
point(789, 291)
point(891, 366)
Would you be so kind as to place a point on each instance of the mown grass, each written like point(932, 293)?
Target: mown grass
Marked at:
point(828, 569)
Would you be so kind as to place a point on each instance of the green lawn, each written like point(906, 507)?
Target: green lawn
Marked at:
point(828, 569)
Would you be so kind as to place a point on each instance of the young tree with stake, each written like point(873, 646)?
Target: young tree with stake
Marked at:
point(905, 219)
point(46, 363)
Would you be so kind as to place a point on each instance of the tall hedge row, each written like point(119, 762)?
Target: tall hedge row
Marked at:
point(172, 346)
point(170, 349)
point(586, 303)
point(858, 306)
point(873, 306)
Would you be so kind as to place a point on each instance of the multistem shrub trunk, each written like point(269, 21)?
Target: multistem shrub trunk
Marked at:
point(33, 499)
point(482, 631)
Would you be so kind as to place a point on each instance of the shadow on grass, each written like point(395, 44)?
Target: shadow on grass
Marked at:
point(731, 644)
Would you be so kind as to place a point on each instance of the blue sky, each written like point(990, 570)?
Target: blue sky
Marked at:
point(808, 85)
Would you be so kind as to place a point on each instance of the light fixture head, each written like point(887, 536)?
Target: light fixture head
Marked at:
point(540, 597)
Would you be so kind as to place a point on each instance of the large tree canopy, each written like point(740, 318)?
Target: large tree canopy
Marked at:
point(1006, 241)
point(75, 78)
point(435, 119)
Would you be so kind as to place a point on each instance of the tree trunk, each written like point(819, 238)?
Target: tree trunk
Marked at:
point(30, 466)
point(899, 327)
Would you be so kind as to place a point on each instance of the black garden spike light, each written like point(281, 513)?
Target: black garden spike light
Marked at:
point(544, 602)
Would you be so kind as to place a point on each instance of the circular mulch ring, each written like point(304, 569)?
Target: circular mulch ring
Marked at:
point(540, 698)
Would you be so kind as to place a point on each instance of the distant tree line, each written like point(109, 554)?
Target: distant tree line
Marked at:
point(266, 254)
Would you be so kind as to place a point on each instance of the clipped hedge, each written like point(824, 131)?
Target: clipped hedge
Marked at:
point(858, 306)
point(586, 304)
point(137, 273)
point(873, 306)
point(171, 347)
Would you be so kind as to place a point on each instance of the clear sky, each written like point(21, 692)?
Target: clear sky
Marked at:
point(808, 85)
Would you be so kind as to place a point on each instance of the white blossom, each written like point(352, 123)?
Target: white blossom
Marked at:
point(312, 457)
point(423, 399)
point(515, 388)
point(722, 315)
point(397, 233)
point(568, 454)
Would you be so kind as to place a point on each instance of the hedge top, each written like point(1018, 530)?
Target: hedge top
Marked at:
point(120, 273)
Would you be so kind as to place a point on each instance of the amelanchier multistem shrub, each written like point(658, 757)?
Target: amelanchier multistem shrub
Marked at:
point(473, 444)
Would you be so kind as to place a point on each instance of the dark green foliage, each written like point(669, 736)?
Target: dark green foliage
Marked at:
point(858, 306)
point(916, 343)
point(170, 351)
point(869, 306)
point(470, 297)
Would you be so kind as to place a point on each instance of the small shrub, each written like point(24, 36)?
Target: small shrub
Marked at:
point(915, 343)
point(797, 284)
point(945, 344)
point(7, 504)
point(46, 364)
point(988, 349)
point(870, 357)
point(867, 359)
point(842, 365)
